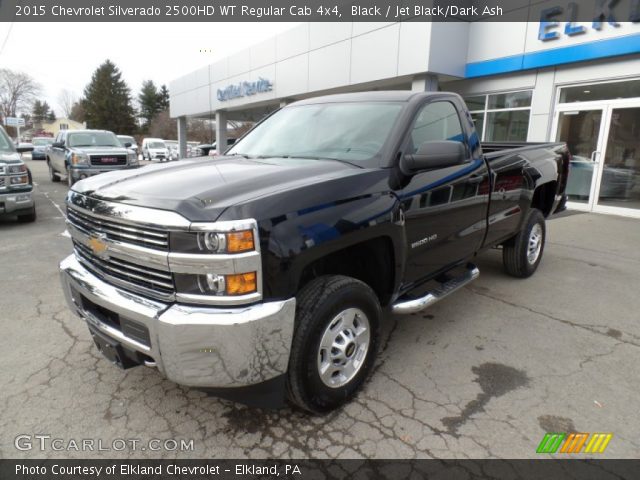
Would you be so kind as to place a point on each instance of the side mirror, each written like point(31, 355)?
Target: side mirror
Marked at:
point(24, 149)
point(127, 144)
point(434, 154)
point(58, 145)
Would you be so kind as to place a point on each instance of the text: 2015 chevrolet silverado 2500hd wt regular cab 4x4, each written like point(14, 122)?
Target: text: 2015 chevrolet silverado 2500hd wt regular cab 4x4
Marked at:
point(263, 274)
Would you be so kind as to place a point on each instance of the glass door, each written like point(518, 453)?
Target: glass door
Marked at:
point(619, 182)
point(583, 131)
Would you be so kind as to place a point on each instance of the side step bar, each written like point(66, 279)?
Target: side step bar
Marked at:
point(405, 307)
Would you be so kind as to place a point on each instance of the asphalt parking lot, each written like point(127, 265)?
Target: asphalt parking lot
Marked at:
point(483, 374)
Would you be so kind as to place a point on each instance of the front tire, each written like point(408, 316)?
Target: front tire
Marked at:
point(522, 254)
point(28, 217)
point(52, 175)
point(334, 344)
point(70, 180)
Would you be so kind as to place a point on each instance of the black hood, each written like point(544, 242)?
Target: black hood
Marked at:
point(201, 189)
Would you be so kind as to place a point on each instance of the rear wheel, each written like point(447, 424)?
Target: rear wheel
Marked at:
point(334, 344)
point(522, 254)
point(53, 175)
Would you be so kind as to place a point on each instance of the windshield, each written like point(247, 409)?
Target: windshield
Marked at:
point(5, 142)
point(341, 131)
point(41, 142)
point(92, 139)
point(124, 140)
point(156, 145)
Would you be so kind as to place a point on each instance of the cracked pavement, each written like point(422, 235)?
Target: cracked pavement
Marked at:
point(483, 374)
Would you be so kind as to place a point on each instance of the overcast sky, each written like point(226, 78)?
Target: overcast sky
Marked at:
point(64, 55)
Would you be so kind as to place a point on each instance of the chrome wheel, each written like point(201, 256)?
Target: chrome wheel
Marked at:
point(343, 347)
point(535, 244)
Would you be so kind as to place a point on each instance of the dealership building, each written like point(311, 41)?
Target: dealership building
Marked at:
point(523, 81)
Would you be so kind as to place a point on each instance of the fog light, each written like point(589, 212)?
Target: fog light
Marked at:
point(23, 198)
point(211, 283)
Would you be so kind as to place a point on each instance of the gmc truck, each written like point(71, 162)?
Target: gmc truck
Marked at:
point(265, 274)
point(78, 154)
point(16, 184)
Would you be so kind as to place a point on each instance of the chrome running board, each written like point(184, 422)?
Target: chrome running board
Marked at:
point(405, 307)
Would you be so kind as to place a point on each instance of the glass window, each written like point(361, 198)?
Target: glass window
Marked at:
point(92, 139)
point(600, 91)
point(476, 103)
point(342, 131)
point(436, 121)
point(478, 121)
point(510, 100)
point(507, 126)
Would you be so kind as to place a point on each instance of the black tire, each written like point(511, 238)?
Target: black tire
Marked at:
point(52, 175)
point(28, 217)
point(516, 252)
point(70, 180)
point(318, 305)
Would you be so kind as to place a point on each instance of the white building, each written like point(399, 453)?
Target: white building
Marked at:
point(524, 81)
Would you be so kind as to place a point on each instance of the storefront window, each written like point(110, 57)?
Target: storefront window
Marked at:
point(501, 117)
point(600, 91)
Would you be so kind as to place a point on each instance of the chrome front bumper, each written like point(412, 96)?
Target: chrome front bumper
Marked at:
point(194, 346)
point(16, 201)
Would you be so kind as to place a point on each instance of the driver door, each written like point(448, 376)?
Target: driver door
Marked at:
point(445, 208)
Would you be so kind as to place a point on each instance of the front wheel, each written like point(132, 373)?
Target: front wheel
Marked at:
point(28, 217)
point(53, 175)
point(522, 254)
point(70, 180)
point(335, 342)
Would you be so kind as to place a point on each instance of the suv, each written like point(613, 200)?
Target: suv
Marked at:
point(16, 185)
point(79, 154)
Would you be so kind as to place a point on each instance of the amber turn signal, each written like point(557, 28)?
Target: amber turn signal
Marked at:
point(241, 284)
point(241, 241)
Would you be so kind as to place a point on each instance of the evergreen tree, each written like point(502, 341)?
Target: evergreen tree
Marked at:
point(107, 101)
point(149, 100)
point(163, 98)
point(41, 112)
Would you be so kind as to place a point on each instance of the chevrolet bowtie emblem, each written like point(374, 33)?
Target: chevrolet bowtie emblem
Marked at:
point(98, 244)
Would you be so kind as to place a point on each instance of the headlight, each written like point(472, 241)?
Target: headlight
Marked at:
point(19, 180)
point(17, 169)
point(79, 159)
point(219, 285)
point(133, 158)
point(238, 241)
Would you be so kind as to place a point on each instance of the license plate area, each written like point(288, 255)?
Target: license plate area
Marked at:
point(113, 350)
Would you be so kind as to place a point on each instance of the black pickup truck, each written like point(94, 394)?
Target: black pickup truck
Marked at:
point(265, 274)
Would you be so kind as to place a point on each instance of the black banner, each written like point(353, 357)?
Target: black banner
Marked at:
point(598, 12)
point(317, 469)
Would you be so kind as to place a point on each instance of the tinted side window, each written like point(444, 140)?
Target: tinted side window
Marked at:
point(436, 121)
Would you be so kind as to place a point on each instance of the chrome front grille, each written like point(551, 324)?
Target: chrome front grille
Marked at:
point(153, 282)
point(139, 235)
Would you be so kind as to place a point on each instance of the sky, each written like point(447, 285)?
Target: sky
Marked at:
point(64, 55)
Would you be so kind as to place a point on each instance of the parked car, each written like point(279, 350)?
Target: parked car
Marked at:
point(128, 141)
point(173, 149)
point(209, 149)
point(154, 149)
point(16, 184)
point(79, 154)
point(616, 182)
point(40, 145)
point(263, 274)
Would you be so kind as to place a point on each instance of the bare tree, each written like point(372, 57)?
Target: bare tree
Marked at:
point(66, 101)
point(17, 92)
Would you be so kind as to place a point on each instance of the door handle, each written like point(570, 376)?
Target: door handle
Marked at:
point(475, 179)
point(593, 155)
